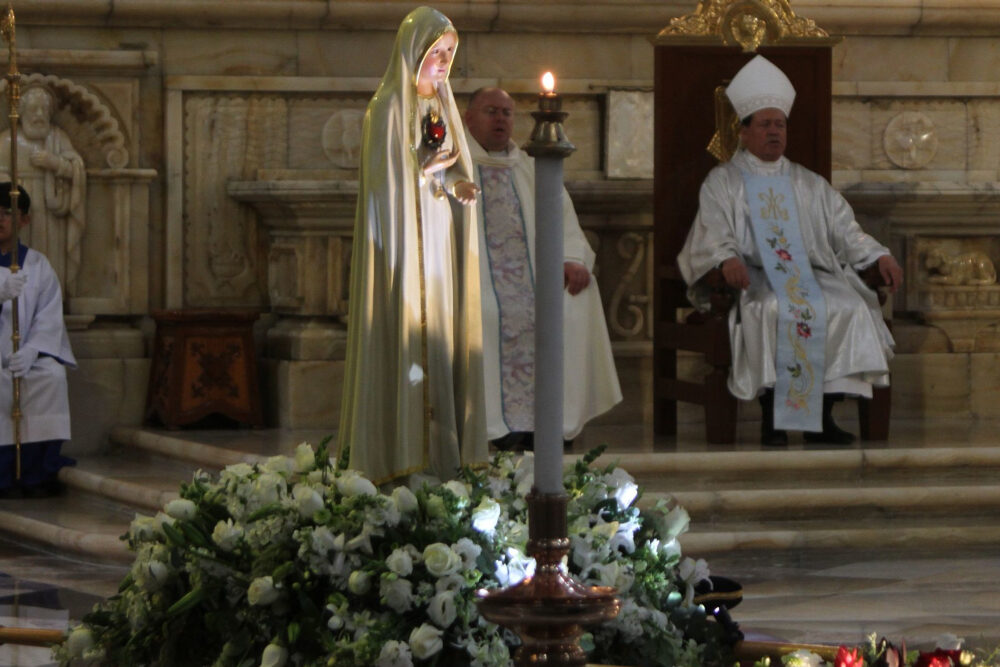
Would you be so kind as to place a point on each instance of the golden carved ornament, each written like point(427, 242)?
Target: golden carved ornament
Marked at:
point(745, 23)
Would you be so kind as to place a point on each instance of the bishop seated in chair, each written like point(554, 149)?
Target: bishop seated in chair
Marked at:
point(805, 329)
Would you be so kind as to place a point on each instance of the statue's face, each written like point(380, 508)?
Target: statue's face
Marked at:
point(437, 61)
point(36, 113)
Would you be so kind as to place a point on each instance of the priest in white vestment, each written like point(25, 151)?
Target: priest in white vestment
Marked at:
point(506, 176)
point(858, 344)
point(42, 358)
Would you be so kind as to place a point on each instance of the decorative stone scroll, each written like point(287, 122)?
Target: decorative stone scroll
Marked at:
point(745, 23)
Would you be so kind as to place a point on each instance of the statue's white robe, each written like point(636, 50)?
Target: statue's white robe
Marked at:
point(590, 382)
point(858, 343)
point(412, 400)
point(44, 393)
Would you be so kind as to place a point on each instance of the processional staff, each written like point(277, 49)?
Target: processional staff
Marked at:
point(13, 97)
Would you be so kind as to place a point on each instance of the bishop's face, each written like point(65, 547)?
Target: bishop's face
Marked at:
point(766, 134)
point(436, 63)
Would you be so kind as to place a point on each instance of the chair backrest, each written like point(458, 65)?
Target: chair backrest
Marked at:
point(686, 78)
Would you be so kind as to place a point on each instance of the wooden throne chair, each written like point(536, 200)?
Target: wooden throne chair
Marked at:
point(695, 56)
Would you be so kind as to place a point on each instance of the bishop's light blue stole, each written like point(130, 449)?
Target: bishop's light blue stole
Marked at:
point(800, 359)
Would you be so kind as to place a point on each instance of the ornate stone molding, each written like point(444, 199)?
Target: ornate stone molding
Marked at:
point(889, 17)
point(746, 23)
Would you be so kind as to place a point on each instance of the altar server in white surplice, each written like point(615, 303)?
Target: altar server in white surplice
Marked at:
point(858, 345)
point(506, 176)
point(41, 361)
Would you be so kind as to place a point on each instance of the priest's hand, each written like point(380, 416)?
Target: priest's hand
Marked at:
point(465, 192)
point(891, 272)
point(736, 274)
point(12, 287)
point(576, 277)
point(22, 361)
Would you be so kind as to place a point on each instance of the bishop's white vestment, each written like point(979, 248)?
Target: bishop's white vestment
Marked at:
point(858, 344)
point(507, 247)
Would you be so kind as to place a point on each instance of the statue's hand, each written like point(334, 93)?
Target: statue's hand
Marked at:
point(43, 159)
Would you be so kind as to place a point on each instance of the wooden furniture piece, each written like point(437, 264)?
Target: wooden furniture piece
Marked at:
point(686, 78)
point(204, 363)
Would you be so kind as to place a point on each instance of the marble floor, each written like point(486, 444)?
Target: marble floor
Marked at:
point(798, 595)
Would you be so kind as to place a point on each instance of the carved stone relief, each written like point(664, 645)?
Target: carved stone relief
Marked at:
point(630, 134)
point(341, 138)
point(910, 140)
point(958, 290)
point(88, 216)
point(227, 138)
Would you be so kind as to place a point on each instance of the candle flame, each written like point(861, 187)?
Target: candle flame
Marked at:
point(548, 82)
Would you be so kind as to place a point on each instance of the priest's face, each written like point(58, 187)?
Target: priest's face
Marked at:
point(765, 136)
point(490, 119)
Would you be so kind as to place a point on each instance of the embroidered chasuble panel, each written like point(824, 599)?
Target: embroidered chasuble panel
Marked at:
point(514, 290)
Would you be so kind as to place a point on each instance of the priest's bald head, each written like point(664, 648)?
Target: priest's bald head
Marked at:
point(762, 96)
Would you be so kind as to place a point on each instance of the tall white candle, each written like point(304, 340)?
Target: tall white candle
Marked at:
point(548, 319)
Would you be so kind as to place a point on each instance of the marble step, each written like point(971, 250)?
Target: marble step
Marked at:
point(77, 522)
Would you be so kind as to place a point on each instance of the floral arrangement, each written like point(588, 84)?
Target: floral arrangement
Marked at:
point(882, 653)
point(300, 561)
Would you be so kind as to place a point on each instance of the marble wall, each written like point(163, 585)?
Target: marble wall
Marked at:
point(237, 121)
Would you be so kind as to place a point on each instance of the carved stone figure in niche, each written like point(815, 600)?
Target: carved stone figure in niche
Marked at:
point(963, 268)
point(53, 171)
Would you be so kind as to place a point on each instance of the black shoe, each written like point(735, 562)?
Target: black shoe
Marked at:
point(12, 492)
point(773, 438)
point(830, 435)
point(49, 489)
point(769, 436)
point(515, 441)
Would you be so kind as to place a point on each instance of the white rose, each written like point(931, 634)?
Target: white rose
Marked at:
point(181, 508)
point(801, 658)
point(626, 494)
point(468, 551)
point(458, 488)
point(450, 582)
point(399, 561)
point(227, 535)
point(262, 591)
point(305, 457)
point(436, 508)
point(441, 609)
point(79, 641)
point(404, 499)
point(355, 485)
point(281, 465)
point(268, 488)
point(238, 470)
point(158, 573)
point(425, 641)
point(360, 582)
point(397, 594)
point(307, 500)
point(142, 527)
point(274, 656)
point(486, 515)
point(440, 560)
point(394, 654)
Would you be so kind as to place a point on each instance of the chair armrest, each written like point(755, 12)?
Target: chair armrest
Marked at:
point(721, 296)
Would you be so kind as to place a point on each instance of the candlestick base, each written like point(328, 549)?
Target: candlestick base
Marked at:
point(549, 610)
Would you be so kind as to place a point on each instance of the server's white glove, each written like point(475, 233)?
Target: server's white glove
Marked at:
point(22, 360)
point(13, 286)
